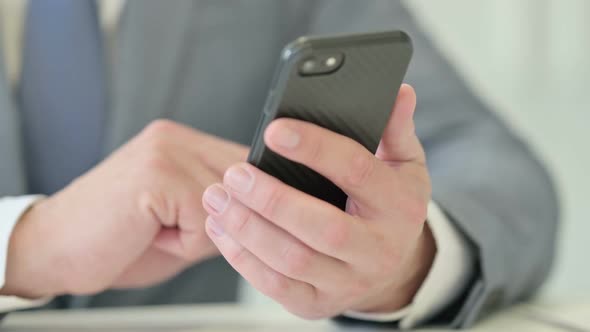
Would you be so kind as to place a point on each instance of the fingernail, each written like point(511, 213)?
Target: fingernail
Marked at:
point(239, 179)
point(217, 198)
point(215, 227)
point(286, 138)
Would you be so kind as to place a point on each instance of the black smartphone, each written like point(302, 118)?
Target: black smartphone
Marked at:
point(347, 84)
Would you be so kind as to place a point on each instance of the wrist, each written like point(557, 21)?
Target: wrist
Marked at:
point(401, 293)
point(32, 266)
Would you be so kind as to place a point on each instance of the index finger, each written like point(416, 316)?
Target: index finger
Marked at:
point(345, 162)
point(215, 153)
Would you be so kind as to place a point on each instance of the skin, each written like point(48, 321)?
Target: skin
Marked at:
point(137, 219)
point(132, 221)
point(314, 259)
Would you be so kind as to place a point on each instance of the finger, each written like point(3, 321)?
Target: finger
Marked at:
point(190, 246)
point(273, 284)
point(273, 246)
point(345, 162)
point(168, 241)
point(218, 156)
point(216, 153)
point(399, 142)
point(194, 174)
point(318, 224)
point(175, 205)
point(200, 144)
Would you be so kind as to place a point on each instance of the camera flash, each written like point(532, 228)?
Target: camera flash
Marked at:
point(331, 62)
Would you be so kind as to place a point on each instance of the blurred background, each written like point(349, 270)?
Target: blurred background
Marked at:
point(530, 60)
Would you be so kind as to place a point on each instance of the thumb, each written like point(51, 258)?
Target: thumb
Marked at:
point(399, 142)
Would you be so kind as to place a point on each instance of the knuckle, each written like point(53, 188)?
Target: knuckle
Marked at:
point(151, 206)
point(159, 128)
point(152, 152)
point(361, 169)
point(297, 259)
point(273, 201)
point(241, 222)
point(314, 152)
point(337, 236)
point(152, 140)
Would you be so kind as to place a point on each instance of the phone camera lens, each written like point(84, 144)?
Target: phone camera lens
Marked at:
point(308, 66)
point(321, 63)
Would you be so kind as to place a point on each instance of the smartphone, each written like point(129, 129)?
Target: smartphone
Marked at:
point(347, 84)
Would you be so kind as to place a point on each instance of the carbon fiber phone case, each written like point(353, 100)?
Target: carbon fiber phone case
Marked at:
point(355, 101)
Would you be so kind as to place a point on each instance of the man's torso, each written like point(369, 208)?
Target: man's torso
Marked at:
point(207, 64)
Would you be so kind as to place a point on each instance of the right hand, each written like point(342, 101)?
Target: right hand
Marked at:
point(134, 220)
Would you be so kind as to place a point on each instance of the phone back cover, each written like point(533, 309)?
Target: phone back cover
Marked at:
point(354, 101)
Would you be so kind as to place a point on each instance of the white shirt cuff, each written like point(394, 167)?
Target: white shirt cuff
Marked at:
point(11, 209)
point(451, 269)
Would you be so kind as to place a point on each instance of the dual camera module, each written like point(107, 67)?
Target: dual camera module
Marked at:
point(321, 64)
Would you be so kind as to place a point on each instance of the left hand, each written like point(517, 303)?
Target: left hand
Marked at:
point(132, 221)
point(315, 259)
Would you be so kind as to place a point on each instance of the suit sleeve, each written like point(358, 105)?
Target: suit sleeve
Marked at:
point(485, 179)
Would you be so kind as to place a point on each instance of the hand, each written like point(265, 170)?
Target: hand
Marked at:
point(134, 220)
point(314, 259)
